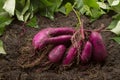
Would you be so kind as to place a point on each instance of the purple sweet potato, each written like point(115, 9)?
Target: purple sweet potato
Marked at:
point(86, 53)
point(99, 49)
point(62, 31)
point(57, 53)
point(72, 52)
point(42, 37)
point(60, 39)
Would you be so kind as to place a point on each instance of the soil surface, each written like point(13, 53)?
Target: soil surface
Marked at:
point(17, 42)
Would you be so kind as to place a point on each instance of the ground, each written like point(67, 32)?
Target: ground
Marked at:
point(17, 42)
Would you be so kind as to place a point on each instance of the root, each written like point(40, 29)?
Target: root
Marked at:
point(76, 38)
point(34, 63)
point(43, 68)
point(102, 27)
point(38, 60)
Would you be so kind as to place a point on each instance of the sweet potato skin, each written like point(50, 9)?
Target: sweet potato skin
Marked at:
point(56, 53)
point(99, 49)
point(40, 38)
point(86, 53)
point(71, 53)
point(62, 31)
point(62, 39)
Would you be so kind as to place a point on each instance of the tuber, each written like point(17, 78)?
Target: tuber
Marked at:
point(99, 49)
point(86, 52)
point(72, 52)
point(57, 53)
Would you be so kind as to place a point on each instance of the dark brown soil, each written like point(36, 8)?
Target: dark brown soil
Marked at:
point(17, 42)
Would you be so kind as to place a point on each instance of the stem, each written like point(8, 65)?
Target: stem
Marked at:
point(102, 27)
point(77, 15)
point(105, 31)
point(82, 31)
point(80, 23)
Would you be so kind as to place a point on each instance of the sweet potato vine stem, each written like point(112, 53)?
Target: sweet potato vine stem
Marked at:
point(80, 22)
point(77, 15)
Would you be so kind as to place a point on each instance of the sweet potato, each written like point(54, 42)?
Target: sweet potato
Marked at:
point(99, 49)
point(57, 53)
point(86, 53)
point(72, 52)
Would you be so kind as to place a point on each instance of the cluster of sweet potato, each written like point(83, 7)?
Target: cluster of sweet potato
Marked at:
point(88, 47)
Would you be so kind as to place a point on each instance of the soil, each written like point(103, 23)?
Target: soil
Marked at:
point(17, 42)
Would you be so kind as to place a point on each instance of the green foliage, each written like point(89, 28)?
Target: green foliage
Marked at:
point(90, 8)
point(115, 24)
point(22, 10)
point(48, 7)
point(117, 39)
point(2, 51)
point(5, 19)
point(116, 29)
point(33, 22)
point(9, 6)
point(66, 9)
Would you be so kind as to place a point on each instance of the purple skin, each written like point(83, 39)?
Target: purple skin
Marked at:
point(62, 31)
point(40, 39)
point(99, 49)
point(72, 52)
point(60, 39)
point(86, 53)
point(57, 53)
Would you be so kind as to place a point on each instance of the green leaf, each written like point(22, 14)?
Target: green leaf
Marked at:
point(116, 16)
point(96, 13)
point(4, 20)
point(34, 6)
point(113, 24)
point(113, 2)
point(33, 22)
point(1, 5)
point(19, 16)
point(114, 5)
point(117, 39)
point(62, 10)
point(20, 4)
point(9, 6)
point(91, 8)
point(49, 7)
point(86, 10)
point(26, 7)
point(116, 30)
point(78, 4)
point(23, 15)
point(68, 8)
point(2, 51)
point(116, 8)
point(103, 5)
point(26, 16)
point(91, 3)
